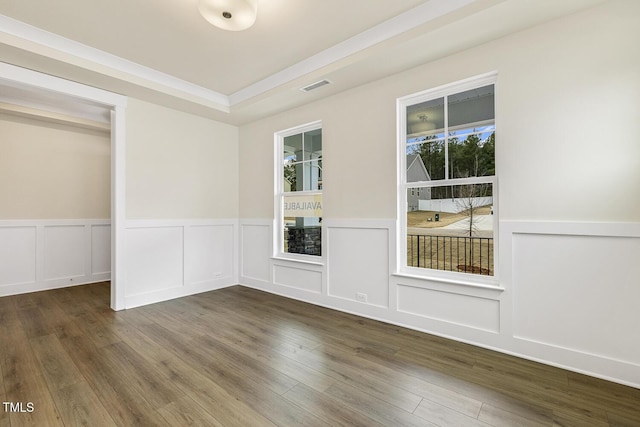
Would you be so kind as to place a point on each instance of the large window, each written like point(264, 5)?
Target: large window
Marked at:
point(447, 192)
point(299, 191)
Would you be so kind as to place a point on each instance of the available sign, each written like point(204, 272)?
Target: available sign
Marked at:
point(303, 206)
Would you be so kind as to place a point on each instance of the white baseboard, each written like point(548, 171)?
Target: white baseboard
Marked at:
point(178, 292)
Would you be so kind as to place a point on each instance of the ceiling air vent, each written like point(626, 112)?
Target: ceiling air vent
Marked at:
point(315, 85)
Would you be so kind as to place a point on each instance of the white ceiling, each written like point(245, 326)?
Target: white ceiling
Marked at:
point(163, 51)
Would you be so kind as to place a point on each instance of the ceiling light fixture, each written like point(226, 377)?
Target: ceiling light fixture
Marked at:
point(231, 15)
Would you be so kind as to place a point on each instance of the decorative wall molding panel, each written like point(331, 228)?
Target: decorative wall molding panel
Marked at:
point(298, 278)
point(574, 296)
point(358, 261)
point(174, 258)
point(64, 251)
point(36, 255)
point(256, 249)
point(462, 310)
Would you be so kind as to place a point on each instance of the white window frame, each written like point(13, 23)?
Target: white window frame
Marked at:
point(441, 275)
point(278, 240)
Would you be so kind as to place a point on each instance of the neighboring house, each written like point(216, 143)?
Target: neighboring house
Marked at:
point(416, 171)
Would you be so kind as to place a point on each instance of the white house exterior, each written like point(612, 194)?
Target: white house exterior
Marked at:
point(416, 171)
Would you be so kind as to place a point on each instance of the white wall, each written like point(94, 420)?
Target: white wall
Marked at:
point(567, 103)
point(179, 165)
point(182, 204)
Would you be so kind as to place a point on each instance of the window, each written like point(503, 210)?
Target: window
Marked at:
point(447, 193)
point(299, 191)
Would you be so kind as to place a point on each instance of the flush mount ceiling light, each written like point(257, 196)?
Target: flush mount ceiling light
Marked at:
point(232, 15)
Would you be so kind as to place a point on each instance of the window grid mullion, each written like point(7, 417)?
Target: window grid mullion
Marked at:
point(303, 156)
point(446, 137)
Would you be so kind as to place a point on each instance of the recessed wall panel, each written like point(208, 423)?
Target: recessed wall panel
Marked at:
point(154, 259)
point(578, 292)
point(208, 252)
point(100, 249)
point(463, 310)
point(17, 255)
point(299, 278)
point(358, 263)
point(64, 248)
point(256, 251)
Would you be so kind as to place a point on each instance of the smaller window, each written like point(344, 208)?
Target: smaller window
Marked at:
point(299, 191)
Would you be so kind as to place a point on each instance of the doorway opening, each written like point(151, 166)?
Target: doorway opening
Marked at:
point(53, 253)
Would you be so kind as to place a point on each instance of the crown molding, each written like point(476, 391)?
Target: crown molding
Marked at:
point(32, 39)
point(53, 117)
point(13, 75)
point(35, 40)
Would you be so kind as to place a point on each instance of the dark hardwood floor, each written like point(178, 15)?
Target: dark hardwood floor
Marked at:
point(240, 357)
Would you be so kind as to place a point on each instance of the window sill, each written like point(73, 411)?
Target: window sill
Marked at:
point(493, 287)
point(298, 260)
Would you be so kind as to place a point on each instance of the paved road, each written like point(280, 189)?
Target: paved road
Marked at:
point(480, 223)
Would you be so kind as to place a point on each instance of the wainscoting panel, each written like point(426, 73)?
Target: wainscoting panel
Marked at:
point(574, 295)
point(154, 259)
point(255, 250)
point(36, 255)
point(578, 292)
point(454, 308)
point(101, 249)
point(358, 262)
point(208, 254)
point(17, 255)
point(174, 258)
point(64, 248)
point(298, 278)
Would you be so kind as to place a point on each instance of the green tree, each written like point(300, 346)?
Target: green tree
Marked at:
point(432, 153)
point(471, 153)
point(487, 156)
point(290, 175)
point(472, 156)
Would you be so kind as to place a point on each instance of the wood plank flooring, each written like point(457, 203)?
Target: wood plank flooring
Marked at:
point(240, 357)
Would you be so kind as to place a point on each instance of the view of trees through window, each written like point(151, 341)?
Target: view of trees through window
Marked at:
point(449, 181)
point(471, 155)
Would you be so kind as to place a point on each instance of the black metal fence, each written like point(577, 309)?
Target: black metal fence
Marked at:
point(452, 253)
